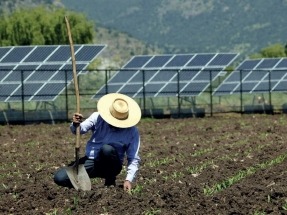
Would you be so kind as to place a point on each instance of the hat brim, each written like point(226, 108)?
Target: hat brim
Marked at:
point(106, 101)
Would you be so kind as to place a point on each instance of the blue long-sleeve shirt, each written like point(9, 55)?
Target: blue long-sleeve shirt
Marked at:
point(125, 140)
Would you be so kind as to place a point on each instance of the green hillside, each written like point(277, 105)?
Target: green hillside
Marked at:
point(193, 25)
point(134, 27)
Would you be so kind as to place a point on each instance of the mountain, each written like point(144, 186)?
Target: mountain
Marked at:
point(10, 6)
point(189, 26)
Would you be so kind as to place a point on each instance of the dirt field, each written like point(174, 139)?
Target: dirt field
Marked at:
point(234, 165)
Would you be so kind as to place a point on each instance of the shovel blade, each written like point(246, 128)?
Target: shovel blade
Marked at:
point(80, 180)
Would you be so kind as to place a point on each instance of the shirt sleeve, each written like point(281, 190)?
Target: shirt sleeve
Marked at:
point(133, 157)
point(87, 124)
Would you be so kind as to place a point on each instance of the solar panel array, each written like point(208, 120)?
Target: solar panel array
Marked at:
point(40, 73)
point(167, 75)
point(256, 76)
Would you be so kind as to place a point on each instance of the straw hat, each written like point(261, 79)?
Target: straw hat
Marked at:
point(119, 110)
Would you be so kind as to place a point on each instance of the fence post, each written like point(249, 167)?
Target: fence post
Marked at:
point(23, 97)
point(178, 95)
point(66, 91)
point(210, 94)
point(270, 97)
point(241, 95)
point(144, 96)
point(106, 80)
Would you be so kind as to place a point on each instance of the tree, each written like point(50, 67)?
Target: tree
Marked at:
point(44, 26)
point(272, 51)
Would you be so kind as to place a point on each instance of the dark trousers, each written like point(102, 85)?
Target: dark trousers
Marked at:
point(107, 165)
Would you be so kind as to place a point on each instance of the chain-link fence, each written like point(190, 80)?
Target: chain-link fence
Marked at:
point(171, 93)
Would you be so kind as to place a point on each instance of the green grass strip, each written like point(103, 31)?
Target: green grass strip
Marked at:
point(208, 191)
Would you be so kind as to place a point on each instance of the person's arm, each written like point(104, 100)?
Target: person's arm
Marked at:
point(86, 125)
point(133, 161)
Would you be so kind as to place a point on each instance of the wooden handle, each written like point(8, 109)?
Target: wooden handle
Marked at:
point(75, 79)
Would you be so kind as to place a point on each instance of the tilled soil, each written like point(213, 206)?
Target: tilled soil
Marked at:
point(218, 165)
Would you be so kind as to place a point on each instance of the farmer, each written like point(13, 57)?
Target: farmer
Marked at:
point(114, 134)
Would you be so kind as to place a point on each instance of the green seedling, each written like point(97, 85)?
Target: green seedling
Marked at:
point(165, 177)
point(200, 168)
point(152, 211)
point(176, 175)
point(54, 212)
point(201, 152)
point(259, 213)
point(284, 206)
point(137, 189)
point(242, 174)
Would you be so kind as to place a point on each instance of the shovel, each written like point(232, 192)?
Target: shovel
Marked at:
point(77, 172)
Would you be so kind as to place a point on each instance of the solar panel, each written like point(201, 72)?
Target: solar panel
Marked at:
point(137, 62)
point(158, 75)
point(221, 60)
point(254, 76)
point(88, 53)
point(48, 91)
point(267, 63)
point(27, 90)
point(16, 54)
point(6, 89)
point(282, 64)
point(158, 61)
point(200, 60)
point(179, 61)
point(40, 72)
point(3, 52)
point(40, 53)
point(248, 64)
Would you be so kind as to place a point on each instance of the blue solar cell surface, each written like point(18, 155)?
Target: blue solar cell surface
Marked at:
point(6, 90)
point(137, 62)
point(88, 52)
point(282, 64)
point(17, 76)
point(179, 61)
point(222, 59)
point(48, 91)
point(40, 53)
point(17, 54)
point(24, 92)
point(3, 52)
point(158, 61)
point(248, 64)
point(163, 75)
point(277, 76)
point(267, 63)
point(62, 53)
point(256, 75)
point(200, 60)
point(157, 75)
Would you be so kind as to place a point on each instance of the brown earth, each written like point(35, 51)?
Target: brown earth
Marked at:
point(218, 165)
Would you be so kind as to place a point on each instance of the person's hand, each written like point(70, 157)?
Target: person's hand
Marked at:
point(77, 119)
point(127, 186)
